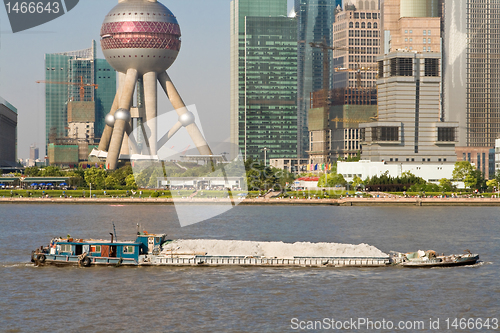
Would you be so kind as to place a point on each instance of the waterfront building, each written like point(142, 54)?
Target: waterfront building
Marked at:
point(471, 33)
point(409, 127)
point(430, 172)
point(8, 136)
point(315, 20)
point(410, 25)
point(34, 152)
point(63, 73)
point(263, 79)
point(294, 165)
point(356, 34)
point(483, 158)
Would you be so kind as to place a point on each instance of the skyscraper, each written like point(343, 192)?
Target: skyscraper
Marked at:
point(8, 135)
point(357, 36)
point(315, 25)
point(471, 34)
point(64, 72)
point(263, 79)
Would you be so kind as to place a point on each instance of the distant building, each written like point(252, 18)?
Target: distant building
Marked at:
point(8, 136)
point(263, 79)
point(293, 165)
point(63, 72)
point(411, 25)
point(409, 127)
point(483, 158)
point(315, 25)
point(430, 172)
point(354, 97)
point(471, 35)
point(34, 152)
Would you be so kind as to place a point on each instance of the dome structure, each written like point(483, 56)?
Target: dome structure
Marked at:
point(140, 34)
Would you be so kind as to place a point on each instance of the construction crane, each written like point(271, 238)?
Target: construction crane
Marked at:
point(81, 84)
point(358, 73)
point(326, 70)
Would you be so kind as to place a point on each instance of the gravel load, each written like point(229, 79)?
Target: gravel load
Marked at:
point(213, 247)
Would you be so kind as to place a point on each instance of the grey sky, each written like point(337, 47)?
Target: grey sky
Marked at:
point(201, 72)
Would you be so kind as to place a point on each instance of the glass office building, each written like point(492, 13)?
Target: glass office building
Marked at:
point(472, 70)
point(315, 23)
point(62, 72)
point(263, 79)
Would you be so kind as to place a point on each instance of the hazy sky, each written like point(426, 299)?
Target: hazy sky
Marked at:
point(201, 72)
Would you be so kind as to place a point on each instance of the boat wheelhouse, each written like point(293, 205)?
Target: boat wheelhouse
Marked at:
point(87, 252)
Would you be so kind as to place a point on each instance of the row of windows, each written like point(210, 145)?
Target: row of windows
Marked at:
point(425, 40)
point(363, 33)
point(368, 25)
point(366, 15)
point(426, 32)
point(368, 42)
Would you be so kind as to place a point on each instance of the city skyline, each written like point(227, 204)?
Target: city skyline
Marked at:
point(22, 63)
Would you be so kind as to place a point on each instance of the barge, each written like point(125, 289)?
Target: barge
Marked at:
point(152, 250)
point(157, 250)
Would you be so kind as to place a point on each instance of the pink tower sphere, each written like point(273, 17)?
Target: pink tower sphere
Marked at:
point(140, 34)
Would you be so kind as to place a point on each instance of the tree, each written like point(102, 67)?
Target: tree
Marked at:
point(356, 181)
point(130, 182)
point(32, 171)
point(462, 169)
point(331, 179)
point(96, 177)
point(492, 184)
point(111, 182)
point(51, 171)
point(445, 185)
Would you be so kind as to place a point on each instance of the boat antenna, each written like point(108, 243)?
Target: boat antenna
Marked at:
point(114, 230)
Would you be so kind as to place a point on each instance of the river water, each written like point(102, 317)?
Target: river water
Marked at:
point(162, 299)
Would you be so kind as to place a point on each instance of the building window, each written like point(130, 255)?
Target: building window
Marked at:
point(406, 31)
point(369, 25)
point(424, 48)
point(446, 134)
point(431, 67)
point(425, 40)
point(385, 134)
point(429, 32)
point(401, 67)
point(363, 25)
point(351, 25)
point(381, 69)
point(375, 25)
point(425, 32)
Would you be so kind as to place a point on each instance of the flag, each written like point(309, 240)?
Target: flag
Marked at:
point(316, 167)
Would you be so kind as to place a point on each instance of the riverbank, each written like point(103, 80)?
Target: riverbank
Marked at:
point(387, 201)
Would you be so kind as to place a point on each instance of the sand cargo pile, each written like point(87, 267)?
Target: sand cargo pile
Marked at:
point(248, 253)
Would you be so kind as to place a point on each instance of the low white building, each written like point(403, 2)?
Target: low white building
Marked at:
point(430, 172)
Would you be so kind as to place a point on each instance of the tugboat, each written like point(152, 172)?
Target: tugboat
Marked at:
point(429, 259)
point(88, 252)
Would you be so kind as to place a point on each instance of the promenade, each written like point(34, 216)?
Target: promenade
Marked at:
point(381, 201)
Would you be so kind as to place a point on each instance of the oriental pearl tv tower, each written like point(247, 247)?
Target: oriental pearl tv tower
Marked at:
point(141, 39)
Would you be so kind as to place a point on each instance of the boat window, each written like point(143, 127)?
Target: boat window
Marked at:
point(95, 248)
point(66, 248)
point(128, 249)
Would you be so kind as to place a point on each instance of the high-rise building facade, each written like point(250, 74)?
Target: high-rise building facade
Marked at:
point(409, 127)
point(263, 79)
point(315, 25)
point(471, 34)
point(63, 75)
point(356, 34)
point(410, 25)
point(8, 135)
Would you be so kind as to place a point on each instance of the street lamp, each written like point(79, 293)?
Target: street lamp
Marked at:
point(265, 149)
